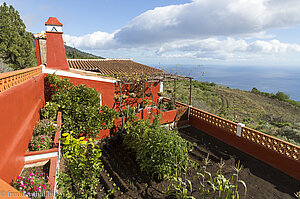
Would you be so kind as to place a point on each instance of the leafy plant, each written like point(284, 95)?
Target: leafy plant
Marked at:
point(157, 149)
point(204, 177)
point(49, 111)
point(33, 185)
point(43, 135)
point(84, 165)
point(83, 161)
point(180, 187)
point(81, 110)
point(107, 116)
point(45, 127)
point(40, 142)
point(166, 106)
point(219, 186)
point(64, 184)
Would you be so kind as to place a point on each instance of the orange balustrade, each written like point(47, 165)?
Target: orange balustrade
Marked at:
point(10, 79)
point(214, 120)
point(273, 151)
point(272, 143)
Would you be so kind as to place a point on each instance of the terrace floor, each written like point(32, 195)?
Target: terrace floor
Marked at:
point(262, 181)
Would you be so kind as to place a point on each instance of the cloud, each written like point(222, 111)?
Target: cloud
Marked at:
point(203, 18)
point(273, 46)
point(225, 49)
point(197, 20)
point(202, 29)
point(91, 41)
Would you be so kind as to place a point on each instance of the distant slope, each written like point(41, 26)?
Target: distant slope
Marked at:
point(267, 113)
point(4, 67)
point(73, 53)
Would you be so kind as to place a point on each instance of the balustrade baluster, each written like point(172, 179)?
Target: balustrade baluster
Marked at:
point(10, 79)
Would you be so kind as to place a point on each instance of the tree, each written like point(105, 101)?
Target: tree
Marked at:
point(16, 47)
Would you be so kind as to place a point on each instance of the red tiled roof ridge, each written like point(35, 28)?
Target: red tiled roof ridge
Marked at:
point(106, 59)
point(112, 66)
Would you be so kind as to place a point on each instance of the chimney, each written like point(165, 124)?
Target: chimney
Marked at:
point(40, 48)
point(50, 48)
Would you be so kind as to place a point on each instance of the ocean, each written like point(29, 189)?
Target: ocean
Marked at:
point(266, 79)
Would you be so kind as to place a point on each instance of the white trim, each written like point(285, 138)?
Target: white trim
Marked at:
point(161, 87)
point(189, 111)
point(70, 74)
point(40, 156)
point(239, 129)
point(57, 167)
point(85, 71)
point(100, 97)
point(36, 164)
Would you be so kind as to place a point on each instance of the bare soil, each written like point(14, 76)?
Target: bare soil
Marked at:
point(262, 180)
point(123, 174)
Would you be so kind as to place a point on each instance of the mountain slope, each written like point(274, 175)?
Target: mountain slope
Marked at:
point(73, 53)
point(265, 113)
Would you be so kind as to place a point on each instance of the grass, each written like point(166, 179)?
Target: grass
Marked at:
point(273, 114)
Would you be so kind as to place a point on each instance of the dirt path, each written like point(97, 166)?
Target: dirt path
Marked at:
point(225, 104)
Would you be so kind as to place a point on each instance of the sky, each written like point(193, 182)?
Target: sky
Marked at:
point(164, 32)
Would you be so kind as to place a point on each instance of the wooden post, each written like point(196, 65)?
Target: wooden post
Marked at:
point(174, 93)
point(190, 102)
point(143, 96)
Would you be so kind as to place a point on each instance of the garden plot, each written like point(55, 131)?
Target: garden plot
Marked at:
point(122, 173)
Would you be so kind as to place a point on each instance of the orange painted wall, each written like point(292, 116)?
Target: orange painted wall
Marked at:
point(8, 192)
point(273, 158)
point(37, 52)
point(19, 113)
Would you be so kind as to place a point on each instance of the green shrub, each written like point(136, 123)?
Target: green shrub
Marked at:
point(49, 111)
point(84, 165)
point(80, 106)
point(255, 90)
point(159, 152)
point(282, 96)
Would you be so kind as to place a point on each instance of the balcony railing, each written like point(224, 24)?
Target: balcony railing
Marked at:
point(10, 79)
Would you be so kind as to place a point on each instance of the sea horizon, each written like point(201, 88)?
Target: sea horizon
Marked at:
point(264, 78)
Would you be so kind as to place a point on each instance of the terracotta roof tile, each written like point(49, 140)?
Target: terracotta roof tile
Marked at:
point(53, 21)
point(112, 66)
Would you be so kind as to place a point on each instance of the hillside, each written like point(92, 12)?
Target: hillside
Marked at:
point(260, 111)
point(4, 67)
point(73, 53)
